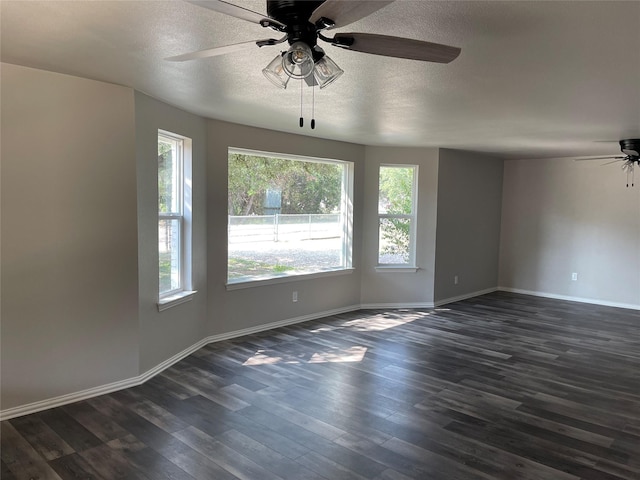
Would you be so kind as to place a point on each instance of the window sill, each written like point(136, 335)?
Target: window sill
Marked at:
point(175, 299)
point(286, 279)
point(396, 269)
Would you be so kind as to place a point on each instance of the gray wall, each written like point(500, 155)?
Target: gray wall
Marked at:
point(560, 216)
point(468, 228)
point(79, 234)
point(164, 334)
point(400, 288)
point(250, 307)
point(69, 241)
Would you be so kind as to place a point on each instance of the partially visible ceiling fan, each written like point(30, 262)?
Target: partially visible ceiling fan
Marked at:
point(302, 23)
point(631, 158)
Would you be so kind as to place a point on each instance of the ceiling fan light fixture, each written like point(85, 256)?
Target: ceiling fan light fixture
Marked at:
point(275, 72)
point(326, 71)
point(298, 61)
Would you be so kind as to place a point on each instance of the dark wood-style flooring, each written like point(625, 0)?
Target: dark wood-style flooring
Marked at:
point(501, 386)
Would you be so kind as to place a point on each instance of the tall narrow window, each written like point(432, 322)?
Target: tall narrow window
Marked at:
point(397, 215)
point(173, 245)
point(287, 216)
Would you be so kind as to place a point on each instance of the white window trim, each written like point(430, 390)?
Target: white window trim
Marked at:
point(168, 301)
point(411, 265)
point(396, 269)
point(347, 205)
point(186, 292)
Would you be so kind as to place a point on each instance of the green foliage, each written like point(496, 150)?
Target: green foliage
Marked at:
point(306, 187)
point(165, 272)
point(165, 176)
point(396, 189)
point(396, 198)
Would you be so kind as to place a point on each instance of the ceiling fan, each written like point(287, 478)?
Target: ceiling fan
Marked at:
point(303, 23)
point(631, 158)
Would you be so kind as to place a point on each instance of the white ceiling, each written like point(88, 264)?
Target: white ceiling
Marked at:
point(535, 78)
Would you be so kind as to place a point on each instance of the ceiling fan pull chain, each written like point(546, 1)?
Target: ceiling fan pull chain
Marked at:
point(313, 106)
point(301, 119)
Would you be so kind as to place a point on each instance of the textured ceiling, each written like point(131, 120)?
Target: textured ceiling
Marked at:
point(534, 79)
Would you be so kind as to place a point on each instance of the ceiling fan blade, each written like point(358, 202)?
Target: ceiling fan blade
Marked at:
point(239, 12)
point(613, 161)
point(610, 157)
point(214, 52)
point(343, 12)
point(396, 47)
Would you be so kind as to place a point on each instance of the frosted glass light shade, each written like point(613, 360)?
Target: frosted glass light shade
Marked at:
point(326, 71)
point(275, 72)
point(298, 61)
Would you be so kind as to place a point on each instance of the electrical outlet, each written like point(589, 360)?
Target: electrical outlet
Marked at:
point(574, 276)
point(455, 279)
point(294, 297)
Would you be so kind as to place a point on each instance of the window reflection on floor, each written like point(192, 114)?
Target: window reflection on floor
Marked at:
point(303, 354)
point(329, 355)
point(376, 322)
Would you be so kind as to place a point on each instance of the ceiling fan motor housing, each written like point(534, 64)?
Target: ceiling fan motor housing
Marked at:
point(631, 147)
point(295, 15)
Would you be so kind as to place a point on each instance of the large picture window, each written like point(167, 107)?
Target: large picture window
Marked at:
point(397, 215)
point(287, 216)
point(173, 245)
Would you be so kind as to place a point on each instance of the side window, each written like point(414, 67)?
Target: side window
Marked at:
point(173, 225)
point(397, 215)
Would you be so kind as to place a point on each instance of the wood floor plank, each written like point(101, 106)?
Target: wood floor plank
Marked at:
point(229, 459)
point(41, 437)
point(147, 460)
point(433, 464)
point(157, 415)
point(74, 467)
point(111, 464)
point(69, 429)
point(265, 456)
point(197, 465)
point(390, 474)
point(283, 445)
point(554, 455)
point(308, 439)
point(501, 387)
point(21, 458)
point(142, 429)
point(327, 467)
point(102, 426)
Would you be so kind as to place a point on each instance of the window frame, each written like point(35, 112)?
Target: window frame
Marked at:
point(183, 215)
point(346, 205)
point(411, 264)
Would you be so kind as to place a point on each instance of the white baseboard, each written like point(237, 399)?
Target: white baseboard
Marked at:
point(68, 398)
point(594, 301)
point(465, 296)
point(140, 379)
point(379, 306)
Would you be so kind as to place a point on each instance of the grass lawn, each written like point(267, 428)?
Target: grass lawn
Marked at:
point(240, 267)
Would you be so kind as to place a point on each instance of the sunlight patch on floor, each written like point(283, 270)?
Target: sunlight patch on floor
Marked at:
point(374, 323)
point(351, 354)
point(330, 355)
